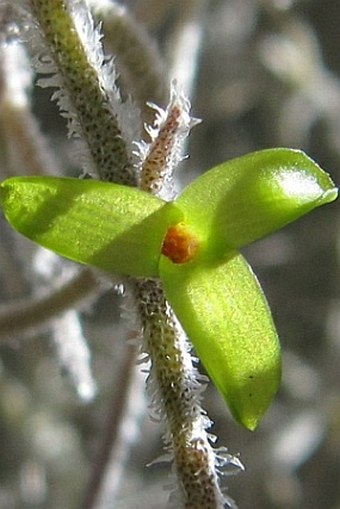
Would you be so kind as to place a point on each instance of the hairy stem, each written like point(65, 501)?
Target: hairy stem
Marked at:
point(137, 57)
point(87, 83)
point(176, 384)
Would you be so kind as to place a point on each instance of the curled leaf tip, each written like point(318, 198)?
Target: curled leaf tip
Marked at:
point(329, 196)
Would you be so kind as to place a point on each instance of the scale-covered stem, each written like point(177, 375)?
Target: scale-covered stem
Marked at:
point(175, 387)
point(138, 60)
point(174, 383)
point(87, 91)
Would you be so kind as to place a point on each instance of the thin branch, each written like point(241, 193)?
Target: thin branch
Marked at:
point(31, 314)
point(112, 435)
point(186, 44)
point(26, 147)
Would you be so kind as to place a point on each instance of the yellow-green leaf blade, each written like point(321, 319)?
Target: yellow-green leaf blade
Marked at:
point(112, 227)
point(225, 314)
point(252, 196)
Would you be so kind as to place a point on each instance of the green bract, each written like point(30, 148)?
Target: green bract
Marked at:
point(191, 244)
point(116, 228)
point(225, 314)
point(247, 198)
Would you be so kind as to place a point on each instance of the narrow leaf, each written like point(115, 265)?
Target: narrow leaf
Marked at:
point(112, 227)
point(224, 313)
point(247, 198)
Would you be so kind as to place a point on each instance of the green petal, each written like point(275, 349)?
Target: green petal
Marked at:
point(247, 198)
point(224, 313)
point(116, 228)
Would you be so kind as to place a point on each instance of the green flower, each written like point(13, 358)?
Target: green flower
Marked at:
point(192, 245)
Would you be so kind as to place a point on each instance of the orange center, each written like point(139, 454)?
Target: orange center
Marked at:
point(179, 244)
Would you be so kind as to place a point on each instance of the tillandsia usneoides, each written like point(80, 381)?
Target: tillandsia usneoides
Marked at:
point(65, 44)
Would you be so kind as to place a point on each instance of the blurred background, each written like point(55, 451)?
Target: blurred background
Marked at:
point(265, 73)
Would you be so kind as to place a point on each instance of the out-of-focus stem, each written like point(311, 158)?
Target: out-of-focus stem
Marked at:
point(114, 447)
point(33, 314)
point(185, 45)
point(24, 146)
